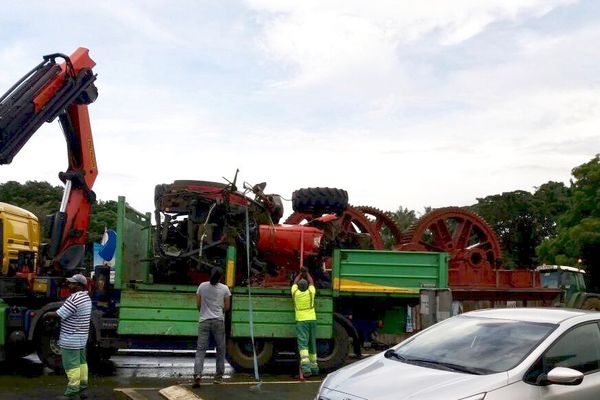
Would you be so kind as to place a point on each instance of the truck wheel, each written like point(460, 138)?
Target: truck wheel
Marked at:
point(331, 353)
point(48, 350)
point(319, 200)
point(240, 356)
point(592, 303)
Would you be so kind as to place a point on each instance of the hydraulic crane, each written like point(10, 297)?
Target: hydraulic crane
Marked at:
point(48, 91)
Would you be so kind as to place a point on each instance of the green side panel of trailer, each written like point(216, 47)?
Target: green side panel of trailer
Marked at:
point(273, 316)
point(133, 253)
point(158, 313)
point(387, 273)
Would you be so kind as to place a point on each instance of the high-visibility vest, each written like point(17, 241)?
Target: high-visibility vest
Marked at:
point(304, 303)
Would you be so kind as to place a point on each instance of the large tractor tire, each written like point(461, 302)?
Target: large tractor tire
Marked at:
point(331, 353)
point(319, 201)
point(240, 356)
point(591, 303)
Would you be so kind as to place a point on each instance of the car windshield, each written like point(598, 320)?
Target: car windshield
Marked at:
point(475, 345)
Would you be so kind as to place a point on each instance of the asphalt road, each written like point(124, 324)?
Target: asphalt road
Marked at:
point(141, 376)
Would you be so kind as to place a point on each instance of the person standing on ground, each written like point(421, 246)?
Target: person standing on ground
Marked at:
point(303, 294)
point(213, 300)
point(74, 331)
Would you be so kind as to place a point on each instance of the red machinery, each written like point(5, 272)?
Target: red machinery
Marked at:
point(48, 91)
point(474, 251)
point(197, 221)
point(202, 217)
point(474, 270)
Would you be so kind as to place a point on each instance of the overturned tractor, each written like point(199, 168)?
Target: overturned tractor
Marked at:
point(197, 221)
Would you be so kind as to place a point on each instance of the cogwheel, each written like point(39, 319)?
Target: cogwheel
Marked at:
point(382, 222)
point(461, 233)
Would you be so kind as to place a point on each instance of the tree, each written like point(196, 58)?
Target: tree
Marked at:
point(512, 216)
point(403, 217)
point(578, 235)
point(40, 198)
point(522, 220)
point(552, 201)
point(43, 199)
point(104, 215)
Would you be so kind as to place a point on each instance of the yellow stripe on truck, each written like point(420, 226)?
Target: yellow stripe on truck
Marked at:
point(230, 273)
point(348, 285)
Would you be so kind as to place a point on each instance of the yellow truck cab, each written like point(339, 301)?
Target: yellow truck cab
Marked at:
point(19, 238)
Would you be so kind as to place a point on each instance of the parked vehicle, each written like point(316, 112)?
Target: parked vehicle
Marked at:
point(19, 234)
point(571, 282)
point(371, 291)
point(497, 354)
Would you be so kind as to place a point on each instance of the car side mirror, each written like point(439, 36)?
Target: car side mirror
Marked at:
point(564, 376)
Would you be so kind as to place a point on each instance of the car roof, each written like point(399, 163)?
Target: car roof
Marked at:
point(544, 315)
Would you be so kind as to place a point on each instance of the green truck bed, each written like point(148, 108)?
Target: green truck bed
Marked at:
point(150, 309)
point(387, 273)
point(273, 315)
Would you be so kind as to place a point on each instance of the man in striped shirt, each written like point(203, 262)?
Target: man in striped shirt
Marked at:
point(74, 330)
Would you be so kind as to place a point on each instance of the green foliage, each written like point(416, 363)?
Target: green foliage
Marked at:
point(40, 198)
point(522, 220)
point(578, 235)
point(104, 214)
point(552, 201)
point(403, 217)
point(43, 199)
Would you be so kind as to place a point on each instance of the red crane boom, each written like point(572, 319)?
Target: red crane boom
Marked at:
point(48, 91)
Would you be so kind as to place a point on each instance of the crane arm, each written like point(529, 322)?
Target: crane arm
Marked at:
point(48, 91)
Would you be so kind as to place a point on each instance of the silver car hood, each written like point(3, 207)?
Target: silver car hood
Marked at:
point(382, 379)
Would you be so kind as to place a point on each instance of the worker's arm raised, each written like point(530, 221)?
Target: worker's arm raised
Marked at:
point(310, 280)
point(300, 275)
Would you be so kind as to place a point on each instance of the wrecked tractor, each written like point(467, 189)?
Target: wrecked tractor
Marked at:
point(197, 221)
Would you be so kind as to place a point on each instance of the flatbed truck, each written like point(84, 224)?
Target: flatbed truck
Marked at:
point(371, 292)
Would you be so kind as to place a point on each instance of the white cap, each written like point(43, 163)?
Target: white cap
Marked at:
point(78, 278)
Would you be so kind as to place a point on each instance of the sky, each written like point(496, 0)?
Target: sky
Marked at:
point(431, 103)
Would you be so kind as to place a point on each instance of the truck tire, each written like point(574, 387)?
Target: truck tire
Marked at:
point(319, 200)
point(591, 303)
point(239, 353)
point(48, 350)
point(331, 353)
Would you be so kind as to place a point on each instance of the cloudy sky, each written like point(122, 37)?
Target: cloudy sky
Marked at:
point(430, 103)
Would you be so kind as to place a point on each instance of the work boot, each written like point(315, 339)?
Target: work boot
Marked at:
point(196, 383)
point(83, 394)
point(218, 380)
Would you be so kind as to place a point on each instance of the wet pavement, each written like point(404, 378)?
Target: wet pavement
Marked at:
point(141, 376)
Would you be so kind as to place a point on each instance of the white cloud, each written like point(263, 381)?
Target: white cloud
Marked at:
point(324, 40)
point(432, 103)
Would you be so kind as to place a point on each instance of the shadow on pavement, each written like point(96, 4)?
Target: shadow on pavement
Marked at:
point(23, 367)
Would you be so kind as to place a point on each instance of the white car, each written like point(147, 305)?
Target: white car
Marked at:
point(496, 354)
